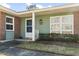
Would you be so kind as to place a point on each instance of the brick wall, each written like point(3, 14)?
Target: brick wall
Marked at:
point(2, 25)
point(17, 27)
point(76, 22)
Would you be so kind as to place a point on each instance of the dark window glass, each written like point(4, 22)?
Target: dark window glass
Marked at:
point(29, 22)
point(9, 27)
point(9, 20)
point(29, 29)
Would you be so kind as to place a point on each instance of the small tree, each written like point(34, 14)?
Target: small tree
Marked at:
point(32, 7)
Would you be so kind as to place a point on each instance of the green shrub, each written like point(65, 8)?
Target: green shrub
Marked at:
point(59, 37)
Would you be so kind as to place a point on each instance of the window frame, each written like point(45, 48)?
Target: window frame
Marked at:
point(61, 24)
point(9, 23)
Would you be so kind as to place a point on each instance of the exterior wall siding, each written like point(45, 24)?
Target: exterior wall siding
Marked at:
point(76, 23)
point(2, 26)
point(23, 27)
point(45, 26)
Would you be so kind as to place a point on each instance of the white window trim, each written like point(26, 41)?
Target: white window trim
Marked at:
point(63, 23)
point(9, 23)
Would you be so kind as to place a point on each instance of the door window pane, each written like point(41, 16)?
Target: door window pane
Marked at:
point(29, 29)
point(29, 22)
point(29, 25)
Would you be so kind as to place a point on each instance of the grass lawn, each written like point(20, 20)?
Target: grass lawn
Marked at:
point(54, 47)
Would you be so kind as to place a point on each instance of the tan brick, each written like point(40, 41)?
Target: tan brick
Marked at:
point(2, 25)
point(17, 27)
point(76, 22)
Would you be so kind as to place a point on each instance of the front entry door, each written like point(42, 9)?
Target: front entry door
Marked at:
point(28, 28)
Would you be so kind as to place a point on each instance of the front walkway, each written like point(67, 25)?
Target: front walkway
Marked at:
point(62, 48)
point(8, 49)
point(12, 51)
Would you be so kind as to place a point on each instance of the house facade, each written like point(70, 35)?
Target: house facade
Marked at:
point(29, 24)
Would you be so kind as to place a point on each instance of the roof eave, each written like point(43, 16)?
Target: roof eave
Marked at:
point(20, 14)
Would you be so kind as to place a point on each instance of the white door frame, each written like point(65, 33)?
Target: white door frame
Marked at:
point(27, 34)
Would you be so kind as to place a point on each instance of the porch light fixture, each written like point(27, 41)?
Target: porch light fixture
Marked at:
point(41, 21)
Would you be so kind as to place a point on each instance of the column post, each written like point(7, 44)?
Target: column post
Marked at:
point(33, 26)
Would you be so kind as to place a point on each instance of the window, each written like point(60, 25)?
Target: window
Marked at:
point(66, 32)
point(9, 27)
point(55, 19)
point(67, 19)
point(9, 23)
point(55, 24)
point(61, 24)
point(66, 27)
point(29, 25)
point(29, 22)
point(9, 20)
point(29, 29)
point(55, 27)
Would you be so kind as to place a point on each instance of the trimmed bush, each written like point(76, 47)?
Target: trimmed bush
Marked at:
point(59, 37)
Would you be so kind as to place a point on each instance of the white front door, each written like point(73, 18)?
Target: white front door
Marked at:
point(28, 28)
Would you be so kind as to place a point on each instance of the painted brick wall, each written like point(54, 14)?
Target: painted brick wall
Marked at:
point(2, 25)
point(17, 21)
point(76, 22)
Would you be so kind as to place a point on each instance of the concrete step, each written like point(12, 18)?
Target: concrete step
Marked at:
point(27, 39)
